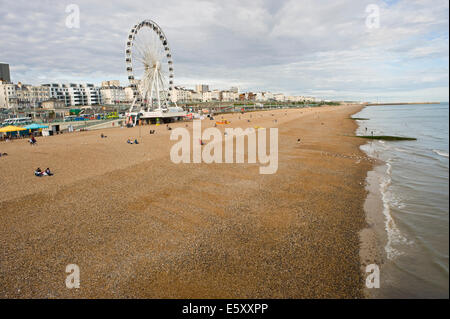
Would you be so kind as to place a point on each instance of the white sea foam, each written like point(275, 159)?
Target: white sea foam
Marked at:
point(441, 153)
point(394, 236)
point(401, 150)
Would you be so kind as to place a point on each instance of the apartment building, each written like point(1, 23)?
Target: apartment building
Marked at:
point(202, 88)
point(8, 96)
point(22, 95)
point(279, 97)
point(211, 96)
point(75, 94)
point(113, 95)
point(229, 96)
point(114, 83)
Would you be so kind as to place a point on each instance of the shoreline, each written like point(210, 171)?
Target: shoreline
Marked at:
point(373, 237)
point(404, 247)
point(140, 226)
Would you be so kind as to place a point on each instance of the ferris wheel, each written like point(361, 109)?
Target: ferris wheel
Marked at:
point(149, 66)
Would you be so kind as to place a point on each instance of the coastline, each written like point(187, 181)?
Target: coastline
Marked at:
point(141, 226)
point(400, 237)
point(373, 238)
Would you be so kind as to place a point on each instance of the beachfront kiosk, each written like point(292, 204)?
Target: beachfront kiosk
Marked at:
point(149, 66)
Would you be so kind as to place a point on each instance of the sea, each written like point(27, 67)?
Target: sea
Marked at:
point(413, 185)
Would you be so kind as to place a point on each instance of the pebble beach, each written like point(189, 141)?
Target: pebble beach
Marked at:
point(140, 226)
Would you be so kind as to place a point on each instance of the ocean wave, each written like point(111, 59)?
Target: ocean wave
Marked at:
point(394, 236)
point(441, 153)
point(401, 150)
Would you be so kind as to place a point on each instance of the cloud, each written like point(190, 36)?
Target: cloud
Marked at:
point(320, 48)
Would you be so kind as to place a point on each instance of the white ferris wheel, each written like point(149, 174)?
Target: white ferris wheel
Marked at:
point(150, 68)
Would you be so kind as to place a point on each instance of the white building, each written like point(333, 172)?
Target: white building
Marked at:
point(75, 94)
point(22, 95)
point(180, 94)
point(279, 97)
point(129, 94)
point(115, 83)
point(262, 96)
point(234, 89)
point(8, 97)
point(196, 96)
point(211, 96)
point(229, 96)
point(202, 88)
point(113, 95)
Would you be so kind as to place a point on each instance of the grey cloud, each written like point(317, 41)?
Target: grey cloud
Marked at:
point(292, 46)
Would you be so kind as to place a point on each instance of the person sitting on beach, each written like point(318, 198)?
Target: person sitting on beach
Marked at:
point(48, 172)
point(152, 131)
point(103, 136)
point(3, 154)
point(136, 141)
point(38, 172)
point(298, 141)
point(129, 141)
point(32, 140)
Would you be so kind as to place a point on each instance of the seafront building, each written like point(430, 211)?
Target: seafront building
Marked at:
point(112, 93)
point(202, 88)
point(75, 94)
point(22, 95)
point(229, 96)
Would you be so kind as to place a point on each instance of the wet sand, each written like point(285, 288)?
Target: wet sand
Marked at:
point(140, 226)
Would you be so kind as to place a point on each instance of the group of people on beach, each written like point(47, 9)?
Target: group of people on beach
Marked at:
point(39, 173)
point(132, 142)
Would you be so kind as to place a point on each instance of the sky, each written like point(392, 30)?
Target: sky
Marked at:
point(331, 49)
